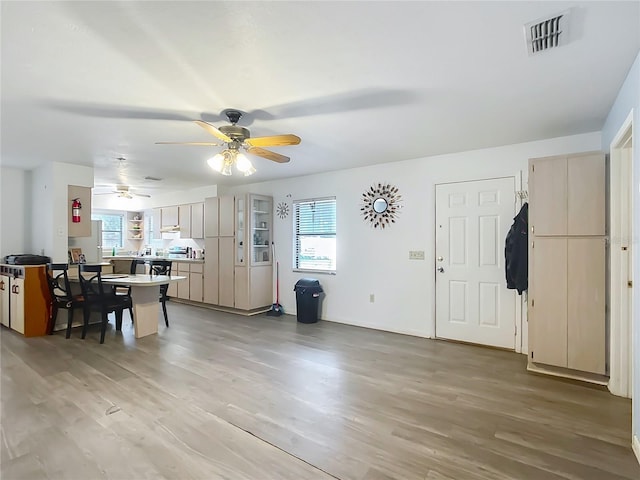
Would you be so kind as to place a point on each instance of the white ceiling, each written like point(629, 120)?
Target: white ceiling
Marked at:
point(360, 82)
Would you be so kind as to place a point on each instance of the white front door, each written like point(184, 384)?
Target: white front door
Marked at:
point(472, 300)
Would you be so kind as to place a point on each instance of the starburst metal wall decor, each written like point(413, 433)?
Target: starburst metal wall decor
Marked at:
point(381, 205)
point(282, 210)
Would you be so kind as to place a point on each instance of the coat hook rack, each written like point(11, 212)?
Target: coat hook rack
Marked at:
point(522, 194)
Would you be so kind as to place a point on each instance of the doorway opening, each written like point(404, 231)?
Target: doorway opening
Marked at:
point(621, 260)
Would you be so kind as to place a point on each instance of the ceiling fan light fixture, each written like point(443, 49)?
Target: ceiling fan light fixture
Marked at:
point(216, 162)
point(243, 164)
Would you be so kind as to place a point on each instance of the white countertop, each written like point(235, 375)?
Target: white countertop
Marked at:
point(131, 257)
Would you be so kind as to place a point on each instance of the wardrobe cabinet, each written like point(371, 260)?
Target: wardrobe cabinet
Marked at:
point(567, 263)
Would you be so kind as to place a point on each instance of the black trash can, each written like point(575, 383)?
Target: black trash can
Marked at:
point(307, 298)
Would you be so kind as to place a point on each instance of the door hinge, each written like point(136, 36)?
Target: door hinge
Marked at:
point(531, 354)
point(624, 249)
point(532, 302)
point(533, 168)
point(630, 283)
point(515, 330)
point(533, 229)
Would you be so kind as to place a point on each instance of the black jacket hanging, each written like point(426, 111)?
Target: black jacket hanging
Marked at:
point(516, 252)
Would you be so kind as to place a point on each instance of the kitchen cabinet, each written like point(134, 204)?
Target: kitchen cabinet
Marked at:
point(226, 288)
point(184, 220)
point(195, 282)
point(253, 273)
point(169, 216)
point(5, 287)
point(25, 299)
point(182, 286)
point(156, 224)
point(211, 217)
point(567, 264)
point(191, 220)
point(83, 227)
point(210, 273)
point(197, 220)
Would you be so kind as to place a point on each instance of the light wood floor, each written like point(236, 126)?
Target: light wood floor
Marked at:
point(231, 397)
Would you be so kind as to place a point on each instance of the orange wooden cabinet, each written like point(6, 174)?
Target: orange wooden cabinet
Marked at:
point(27, 305)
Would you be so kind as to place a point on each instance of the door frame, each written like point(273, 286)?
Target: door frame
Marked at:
point(620, 319)
point(520, 340)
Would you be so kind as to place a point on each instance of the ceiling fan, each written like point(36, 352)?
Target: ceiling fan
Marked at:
point(236, 137)
point(122, 191)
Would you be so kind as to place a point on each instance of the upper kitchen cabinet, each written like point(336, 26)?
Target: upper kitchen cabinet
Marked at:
point(191, 220)
point(570, 195)
point(197, 220)
point(169, 216)
point(79, 211)
point(184, 220)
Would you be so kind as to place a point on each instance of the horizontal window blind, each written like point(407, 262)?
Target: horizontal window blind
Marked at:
point(315, 234)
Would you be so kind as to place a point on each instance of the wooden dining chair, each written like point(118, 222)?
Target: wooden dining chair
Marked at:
point(61, 295)
point(102, 298)
point(162, 267)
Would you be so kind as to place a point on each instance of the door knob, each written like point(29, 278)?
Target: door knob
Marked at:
point(441, 270)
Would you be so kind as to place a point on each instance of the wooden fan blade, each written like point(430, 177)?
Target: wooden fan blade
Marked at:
point(273, 141)
point(214, 131)
point(268, 154)
point(199, 144)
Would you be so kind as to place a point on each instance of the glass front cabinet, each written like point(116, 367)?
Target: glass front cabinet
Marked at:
point(254, 230)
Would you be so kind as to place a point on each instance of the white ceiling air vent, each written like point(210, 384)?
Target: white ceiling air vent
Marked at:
point(547, 33)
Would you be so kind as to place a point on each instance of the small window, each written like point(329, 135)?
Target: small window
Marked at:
point(315, 235)
point(112, 230)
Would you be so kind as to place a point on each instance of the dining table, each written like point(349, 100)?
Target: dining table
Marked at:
point(144, 297)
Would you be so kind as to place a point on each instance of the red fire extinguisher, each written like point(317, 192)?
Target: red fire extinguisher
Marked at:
point(75, 210)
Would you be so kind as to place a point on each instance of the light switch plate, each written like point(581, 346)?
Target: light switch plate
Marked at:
point(416, 254)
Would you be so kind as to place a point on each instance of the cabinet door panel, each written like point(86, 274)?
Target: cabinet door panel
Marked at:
point(226, 271)
point(586, 341)
point(211, 217)
point(226, 212)
point(169, 216)
point(586, 194)
point(197, 220)
point(157, 224)
point(195, 287)
point(261, 285)
point(548, 316)
point(17, 304)
point(548, 190)
point(184, 220)
point(210, 293)
point(242, 288)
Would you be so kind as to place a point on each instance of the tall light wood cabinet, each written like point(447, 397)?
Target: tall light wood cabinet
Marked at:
point(219, 285)
point(238, 266)
point(567, 263)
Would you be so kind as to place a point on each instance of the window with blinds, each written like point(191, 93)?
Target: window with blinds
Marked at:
point(315, 235)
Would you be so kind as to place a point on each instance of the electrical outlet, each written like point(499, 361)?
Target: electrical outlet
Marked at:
point(416, 254)
point(372, 298)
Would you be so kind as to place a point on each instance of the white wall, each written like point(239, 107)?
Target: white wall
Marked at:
point(137, 204)
point(628, 99)
point(15, 211)
point(50, 212)
point(376, 261)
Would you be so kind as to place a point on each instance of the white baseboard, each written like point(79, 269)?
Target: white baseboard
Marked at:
point(636, 447)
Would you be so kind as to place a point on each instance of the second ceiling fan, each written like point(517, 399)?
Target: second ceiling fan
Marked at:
point(236, 138)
